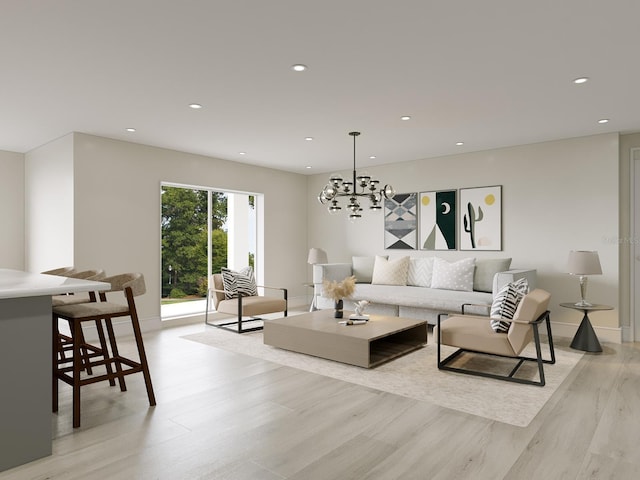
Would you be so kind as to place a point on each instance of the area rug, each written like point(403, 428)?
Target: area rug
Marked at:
point(416, 376)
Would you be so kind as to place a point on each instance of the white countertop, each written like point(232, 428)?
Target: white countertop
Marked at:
point(18, 284)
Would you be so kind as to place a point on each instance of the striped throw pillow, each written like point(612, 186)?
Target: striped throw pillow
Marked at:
point(505, 304)
point(241, 282)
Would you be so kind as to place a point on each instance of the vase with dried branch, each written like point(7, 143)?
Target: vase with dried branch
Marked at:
point(338, 291)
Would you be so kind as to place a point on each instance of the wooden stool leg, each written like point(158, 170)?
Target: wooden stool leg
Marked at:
point(116, 354)
point(105, 352)
point(77, 368)
point(143, 357)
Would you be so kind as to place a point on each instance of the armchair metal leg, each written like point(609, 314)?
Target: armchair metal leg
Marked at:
point(444, 364)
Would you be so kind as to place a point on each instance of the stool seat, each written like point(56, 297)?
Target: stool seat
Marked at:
point(90, 310)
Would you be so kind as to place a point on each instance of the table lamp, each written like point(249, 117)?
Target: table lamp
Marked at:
point(317, 255)
point(583, 263)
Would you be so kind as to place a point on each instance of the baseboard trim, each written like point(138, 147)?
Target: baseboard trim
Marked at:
point(605, 334)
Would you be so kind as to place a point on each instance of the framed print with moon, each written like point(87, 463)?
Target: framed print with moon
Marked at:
point(438, 220)
point(481, 218)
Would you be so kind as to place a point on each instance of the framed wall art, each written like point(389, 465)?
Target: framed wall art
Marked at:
point(481, 218)
point(438, 221)
point(401, 221)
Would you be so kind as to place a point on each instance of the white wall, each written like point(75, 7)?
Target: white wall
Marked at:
point(11, 210)
point(626, 239)
point(557, 196)
point(49, 219)
point(117, 210)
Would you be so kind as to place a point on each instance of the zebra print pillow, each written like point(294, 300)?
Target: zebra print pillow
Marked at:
point(237, 283)
point(505, 304)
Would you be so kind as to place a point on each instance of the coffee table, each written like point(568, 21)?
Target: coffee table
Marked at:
point(317, 333)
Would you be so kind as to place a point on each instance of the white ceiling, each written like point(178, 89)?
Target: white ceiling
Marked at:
point(490, 73)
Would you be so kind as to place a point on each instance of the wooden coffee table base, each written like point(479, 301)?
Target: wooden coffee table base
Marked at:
point(319, 334)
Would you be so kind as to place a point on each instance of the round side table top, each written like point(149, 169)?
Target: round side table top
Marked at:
point(587, 308)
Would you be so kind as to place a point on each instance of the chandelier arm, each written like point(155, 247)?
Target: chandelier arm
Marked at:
point(355, 134)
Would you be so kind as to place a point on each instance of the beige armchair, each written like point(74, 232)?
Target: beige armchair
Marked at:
point(473, 334)
point(242, 306)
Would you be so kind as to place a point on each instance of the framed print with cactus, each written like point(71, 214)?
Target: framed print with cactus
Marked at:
point(438, 220)
point(481, 218)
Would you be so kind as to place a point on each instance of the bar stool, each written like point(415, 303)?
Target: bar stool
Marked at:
point(132, 284)
point(65, 342)
point(59, 271)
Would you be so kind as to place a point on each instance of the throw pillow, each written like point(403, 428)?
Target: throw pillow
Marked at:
point(506, 303)
point(420, 272)
point(390, 272)
point(363, 268)
point(453, 276)
point(486, 270)
point(239, 282)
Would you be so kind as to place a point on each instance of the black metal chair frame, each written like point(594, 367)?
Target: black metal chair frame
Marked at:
point(444, 364)
point(239, 322)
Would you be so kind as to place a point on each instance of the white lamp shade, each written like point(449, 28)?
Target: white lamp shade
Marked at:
point(584, 263)
point(317, 255)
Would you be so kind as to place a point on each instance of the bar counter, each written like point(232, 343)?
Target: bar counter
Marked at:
point(25, 361)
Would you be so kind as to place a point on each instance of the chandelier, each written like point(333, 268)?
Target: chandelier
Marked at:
point(353, 190)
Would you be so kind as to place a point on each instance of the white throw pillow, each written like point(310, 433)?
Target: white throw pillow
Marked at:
point(506, 303)
point(453, 276)
point(390, 272)
point(420, 272)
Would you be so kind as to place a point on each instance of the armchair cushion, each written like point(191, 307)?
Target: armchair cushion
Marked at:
point(239, 282)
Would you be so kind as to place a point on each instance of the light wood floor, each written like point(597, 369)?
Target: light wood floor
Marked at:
point(222, 415)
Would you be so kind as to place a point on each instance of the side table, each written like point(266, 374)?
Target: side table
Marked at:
point(585, 338)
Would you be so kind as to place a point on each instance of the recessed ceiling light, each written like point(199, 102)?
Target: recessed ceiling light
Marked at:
point(459, 143)
point(195, 106)
point(406, 117)
point(308, 167)
point(242, 153)
point(298, 67)
point(372, 157)
point(130, 129)
point(603, 120)
point(308, 139)
point(580, 80)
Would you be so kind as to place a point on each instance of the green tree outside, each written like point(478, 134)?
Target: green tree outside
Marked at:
point(184, 240)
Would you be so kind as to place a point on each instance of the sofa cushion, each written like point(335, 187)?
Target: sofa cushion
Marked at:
point(505, 304)
point(390, 272)
point(418, 297)
point(486, 269)
point(420, 272)
point(453, 276)
point(363, 268)
point(239, 282)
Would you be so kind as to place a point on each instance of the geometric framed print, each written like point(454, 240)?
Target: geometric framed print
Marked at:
point(438, 220)
point(481, 218)
point(401, 221)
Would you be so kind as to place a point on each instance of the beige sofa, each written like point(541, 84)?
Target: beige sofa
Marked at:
point(413, 301)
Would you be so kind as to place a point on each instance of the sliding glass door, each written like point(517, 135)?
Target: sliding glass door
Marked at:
point(202, 231)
